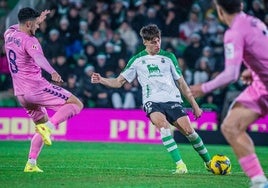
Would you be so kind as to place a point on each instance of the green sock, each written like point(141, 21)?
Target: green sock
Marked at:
point(199, 146)
point(170, 144)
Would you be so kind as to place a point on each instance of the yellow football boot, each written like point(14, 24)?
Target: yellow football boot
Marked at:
point(45, 132)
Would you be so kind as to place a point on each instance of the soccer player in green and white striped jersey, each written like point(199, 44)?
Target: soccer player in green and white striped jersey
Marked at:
point(157, 72)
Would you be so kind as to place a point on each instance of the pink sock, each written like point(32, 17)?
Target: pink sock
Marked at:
point(251, 165)
point(36, 146)
point(65, 112)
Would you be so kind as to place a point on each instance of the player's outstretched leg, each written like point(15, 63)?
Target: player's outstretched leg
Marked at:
point(35, 149)
point(200, 148)
point(172, 148)
point(66, 112)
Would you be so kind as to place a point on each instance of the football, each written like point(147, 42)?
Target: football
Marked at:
point(220, 165)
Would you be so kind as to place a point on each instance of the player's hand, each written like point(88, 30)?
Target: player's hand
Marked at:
point(56, 77)
point(42, 16)
point(197, 113)
point(246, 77)
point(197, 91)
point(95, 78)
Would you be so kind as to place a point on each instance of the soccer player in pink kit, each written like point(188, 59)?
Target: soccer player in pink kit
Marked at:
point(35, 94)
point(246, 41)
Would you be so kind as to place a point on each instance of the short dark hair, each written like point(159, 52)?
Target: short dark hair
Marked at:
point(26, 14)
point(150, 32)
point(230, 6)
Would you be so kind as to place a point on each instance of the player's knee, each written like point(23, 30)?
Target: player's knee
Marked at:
point(74, 100)
point(80, 105)
point(228, 130)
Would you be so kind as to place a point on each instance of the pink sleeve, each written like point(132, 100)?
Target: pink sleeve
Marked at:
point(42, 62)
point(230, 74)
point(233, 53)
point(34, 49)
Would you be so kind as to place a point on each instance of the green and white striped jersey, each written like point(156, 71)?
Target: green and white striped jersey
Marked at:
point(156, 75)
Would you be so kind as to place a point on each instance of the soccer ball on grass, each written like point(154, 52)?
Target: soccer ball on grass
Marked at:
point(220, 165)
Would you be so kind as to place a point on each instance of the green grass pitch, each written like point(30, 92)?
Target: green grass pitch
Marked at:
point(87, 164)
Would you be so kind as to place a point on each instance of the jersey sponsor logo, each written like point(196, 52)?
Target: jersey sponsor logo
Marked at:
point(229, 50)
point(153, 68)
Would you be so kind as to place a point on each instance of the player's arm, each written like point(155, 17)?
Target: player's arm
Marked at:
point(185, 90)
point(109, 82)
point(34, 49)
point(229, 75)
point(42, 62)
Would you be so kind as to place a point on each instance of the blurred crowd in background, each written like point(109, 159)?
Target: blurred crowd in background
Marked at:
point(80, 37)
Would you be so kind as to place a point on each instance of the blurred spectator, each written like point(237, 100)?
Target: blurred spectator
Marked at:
point(257, 9)
point(118, 13)
point(4, 9)
point(111, 56)
point(202, 72)
point(138, 20)
point(119, 44)
point(88, 87)
point(54, 46)
point(212, 23)
point(208, 53)
point(171, 24)
point(206, 37)
point(121, 64)
point(42, 32)
point(105, 31)
point(74, 20)
point(61, 66)
point(129, 36)
point(83, 30)
point(79, 68)
point(187, 28)
point(90, 52)
point(101, 66)
point(65, 34)
point(193, 51)
point(54, 16)
point(73, 86)
point(102, 93)
point(96, 39)
point(186, 72)
point(62, 8)
point(153, 18)
point(92, 20)
point(123, 98)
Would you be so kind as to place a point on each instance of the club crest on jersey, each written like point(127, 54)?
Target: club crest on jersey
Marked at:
point(34, 46)
point(143, 62)
point(162, 60)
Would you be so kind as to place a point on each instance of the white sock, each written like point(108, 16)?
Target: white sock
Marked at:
point(179, 162)
point(260, 178)
point(32, 161)
point(50, 125)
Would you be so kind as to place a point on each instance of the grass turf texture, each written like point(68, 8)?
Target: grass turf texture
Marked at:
point(76, 164)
